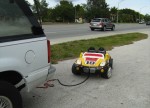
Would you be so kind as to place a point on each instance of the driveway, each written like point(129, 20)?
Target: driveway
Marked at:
point(129, 87)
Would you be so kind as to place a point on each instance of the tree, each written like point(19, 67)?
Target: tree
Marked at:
point(80, 12)
point(147, 17)
point(97, 8)
point(128, 15)
point(42, 6)
point(64, 12)
point(113, 14)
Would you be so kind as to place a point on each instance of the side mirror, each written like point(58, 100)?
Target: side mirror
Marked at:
point(81, 54)
point(107, 55)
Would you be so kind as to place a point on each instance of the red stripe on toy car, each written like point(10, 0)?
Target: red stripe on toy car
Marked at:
point(91, 59)
point(90, 54)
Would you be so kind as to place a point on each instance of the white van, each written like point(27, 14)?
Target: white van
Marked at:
point(24, 52)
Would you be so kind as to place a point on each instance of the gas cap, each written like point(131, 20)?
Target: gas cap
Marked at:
point(29, 56)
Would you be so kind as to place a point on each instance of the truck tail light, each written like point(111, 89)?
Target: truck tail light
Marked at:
point(48, 51)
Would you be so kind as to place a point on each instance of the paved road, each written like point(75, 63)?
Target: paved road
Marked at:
point(69, 32)
point(75, 30)
point(129, 87)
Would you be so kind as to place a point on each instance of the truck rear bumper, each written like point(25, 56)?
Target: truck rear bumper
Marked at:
point(96, 27)
point(38, 77)
point(51, 72)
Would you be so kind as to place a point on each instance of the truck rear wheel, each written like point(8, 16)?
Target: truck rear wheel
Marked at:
point(9, 96)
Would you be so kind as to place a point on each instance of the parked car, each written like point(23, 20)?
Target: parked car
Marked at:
point(142, 22)
point(94, 62)
point(148, 23)
point(24, 52)
point(101, 23)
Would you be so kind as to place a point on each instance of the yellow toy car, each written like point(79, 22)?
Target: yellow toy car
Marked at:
point(94, 61)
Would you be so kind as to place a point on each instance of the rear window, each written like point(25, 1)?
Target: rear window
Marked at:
point(96, 20)
point(12, 20)
point(17, 21)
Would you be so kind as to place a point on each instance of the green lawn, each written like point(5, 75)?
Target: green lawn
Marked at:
point(72, 49)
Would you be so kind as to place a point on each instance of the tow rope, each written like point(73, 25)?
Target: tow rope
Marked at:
point(48, 83)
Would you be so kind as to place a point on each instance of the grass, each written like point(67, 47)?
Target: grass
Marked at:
point(72, 49)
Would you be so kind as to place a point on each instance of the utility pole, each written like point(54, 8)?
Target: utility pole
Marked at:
point(75, 14)
point(118, 10)
point(118, 13)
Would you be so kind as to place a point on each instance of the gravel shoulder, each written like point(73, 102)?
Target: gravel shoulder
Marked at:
point(128, 87)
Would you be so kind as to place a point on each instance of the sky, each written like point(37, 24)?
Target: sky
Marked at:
point(142, 6)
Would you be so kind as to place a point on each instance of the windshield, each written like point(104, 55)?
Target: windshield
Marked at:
point(96, 20)
point(16, 19)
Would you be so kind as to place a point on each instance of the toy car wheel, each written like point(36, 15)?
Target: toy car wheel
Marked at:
point(107, 74)
point(9, 96)
point(74, 70)
point(111, 63)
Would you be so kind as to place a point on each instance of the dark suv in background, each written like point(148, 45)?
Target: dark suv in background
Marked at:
point(148, 23)
point(101, 23)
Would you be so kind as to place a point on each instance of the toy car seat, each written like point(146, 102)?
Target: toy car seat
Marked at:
point(102, 50)
point(91, 49)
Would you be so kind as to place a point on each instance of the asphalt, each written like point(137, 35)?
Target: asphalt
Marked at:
point(129, 86)
point(55, 32)
point(64, 33)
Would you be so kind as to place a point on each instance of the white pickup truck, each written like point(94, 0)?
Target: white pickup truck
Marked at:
point(24, 52)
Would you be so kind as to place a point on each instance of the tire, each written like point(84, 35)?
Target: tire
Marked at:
point(92, 29)
point(9, 95)
point(107, 74)
point(104, 28)
point(113, 28)
point(111, 63)
point(74, 71)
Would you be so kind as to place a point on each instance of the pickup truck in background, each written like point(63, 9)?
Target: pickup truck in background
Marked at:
point(24, 52)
